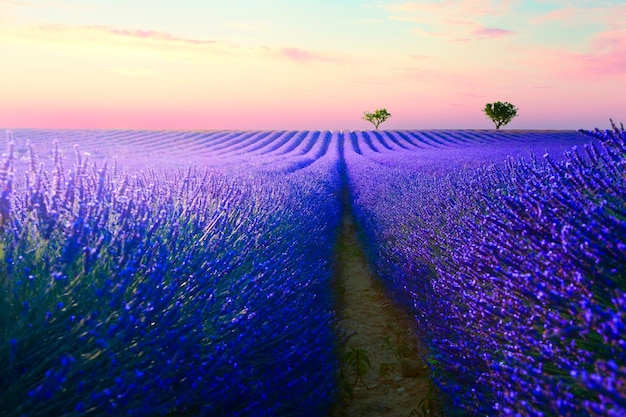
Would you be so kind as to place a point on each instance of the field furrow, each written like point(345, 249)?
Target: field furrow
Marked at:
point(193, 272)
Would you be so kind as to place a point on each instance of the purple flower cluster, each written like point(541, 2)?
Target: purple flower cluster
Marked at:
point(6, 184)
point(156, 287)
point(514, 272)
point(156, 292)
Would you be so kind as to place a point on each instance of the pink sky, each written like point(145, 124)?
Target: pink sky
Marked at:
point(203, 65)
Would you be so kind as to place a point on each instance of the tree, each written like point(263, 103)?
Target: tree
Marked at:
point(500, 113)
point(377, 117)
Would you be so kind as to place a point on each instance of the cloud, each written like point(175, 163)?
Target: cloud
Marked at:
point(371, 82)
point(84, 39)
point(603, 56)
point(421, 57)
point(464, 9)
point(158, 44)
point(296, 54)
point(454, 20)
point(611, 41)
point(303, 55)
point(492, 32)
point(558, 15)
point(15, 3)
point(600, 46)
point(607, 53)
point(7, 6)
point(610, 16)
point(155, 35)
point(150, 35)
point(480, 33)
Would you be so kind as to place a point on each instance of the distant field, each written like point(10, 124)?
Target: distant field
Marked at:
point(170, 149)
point(190, 272)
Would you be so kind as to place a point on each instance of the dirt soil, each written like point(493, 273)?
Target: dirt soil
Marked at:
point(373, 323)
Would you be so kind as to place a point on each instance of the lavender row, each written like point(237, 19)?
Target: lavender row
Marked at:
point(219, 148)
point(514, 273)
point(166, 292)
point(173, 149)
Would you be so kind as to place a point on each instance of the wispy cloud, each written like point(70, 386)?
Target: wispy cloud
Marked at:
point(481, 33)
point(421, 57)
point(466, 9)
point(297, 54)
point(371, 82)
point(492, 32)
point(607, 53)
point(609, 15)
point(604, 55)
point(454, 20)
point(8, 6)
point(94, 33)
point(160, 44)
point(151, 34)
point(304, 55)
point(15, 3)
point(115, 40)
point(558, 15)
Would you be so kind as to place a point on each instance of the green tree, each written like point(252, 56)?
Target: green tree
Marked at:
point(377, 117)
point(500, 113)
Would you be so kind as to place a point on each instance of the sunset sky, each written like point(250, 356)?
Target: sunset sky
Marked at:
point(310, 64)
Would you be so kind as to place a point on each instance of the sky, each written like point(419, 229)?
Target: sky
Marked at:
point(310, 64)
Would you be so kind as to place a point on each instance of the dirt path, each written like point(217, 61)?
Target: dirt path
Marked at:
point(381, 332)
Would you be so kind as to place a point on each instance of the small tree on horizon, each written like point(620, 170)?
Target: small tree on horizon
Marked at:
point(500, 113)
point(378, 117)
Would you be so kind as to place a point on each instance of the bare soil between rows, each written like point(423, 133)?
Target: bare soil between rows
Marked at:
point(384, 332)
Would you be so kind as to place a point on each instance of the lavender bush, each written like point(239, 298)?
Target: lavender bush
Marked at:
point(176, 290)
point(514, 272)
point(156, 293)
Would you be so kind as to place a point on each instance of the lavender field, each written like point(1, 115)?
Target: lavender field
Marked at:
point(191, 272)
